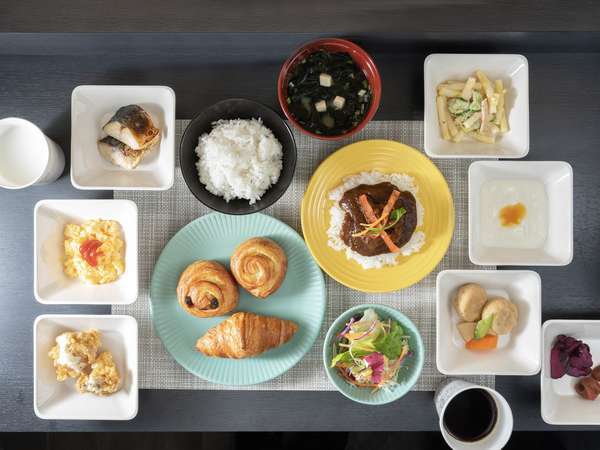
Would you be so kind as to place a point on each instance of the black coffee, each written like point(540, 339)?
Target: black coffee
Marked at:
point(471, 415)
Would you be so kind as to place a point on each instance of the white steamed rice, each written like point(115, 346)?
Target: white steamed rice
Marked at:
point(400, 180)
point(239, 159)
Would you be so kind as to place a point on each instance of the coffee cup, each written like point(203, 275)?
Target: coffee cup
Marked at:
point(472, 417)
point(27, 155)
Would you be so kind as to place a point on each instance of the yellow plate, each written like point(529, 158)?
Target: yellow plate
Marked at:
point(388, 157)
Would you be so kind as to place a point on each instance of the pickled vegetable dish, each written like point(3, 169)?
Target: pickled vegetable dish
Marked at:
point(328, 94)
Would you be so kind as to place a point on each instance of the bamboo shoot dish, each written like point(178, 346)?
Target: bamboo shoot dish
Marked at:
point(474, 108)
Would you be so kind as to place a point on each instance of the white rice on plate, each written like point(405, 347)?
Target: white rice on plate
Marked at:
point(239, 159)
point(401, 181)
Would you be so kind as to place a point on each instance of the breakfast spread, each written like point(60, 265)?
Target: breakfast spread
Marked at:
point(370, 351)
point(327, 93)
point(474, 108)
point(131, 134)
point(259, 266)
point(206, 289)
point(75, 355)
point(483, 319)
point(246, 334)
point(93, 251)
point(375, 217)
point(239, 159)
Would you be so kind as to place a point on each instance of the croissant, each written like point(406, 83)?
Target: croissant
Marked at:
point(259, 266)
point(245, 334)
point(206, 289)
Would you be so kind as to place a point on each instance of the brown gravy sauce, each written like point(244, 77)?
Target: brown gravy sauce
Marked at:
point(378, 195)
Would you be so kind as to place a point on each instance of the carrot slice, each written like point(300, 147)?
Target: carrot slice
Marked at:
point(488, 342)
point(390, 205)
point(369, 214)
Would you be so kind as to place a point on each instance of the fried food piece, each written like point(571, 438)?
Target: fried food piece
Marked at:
point(103, 379)
point(73, 352)
point(505, 314)
point(469, 301)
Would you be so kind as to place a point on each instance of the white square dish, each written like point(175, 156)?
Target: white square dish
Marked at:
point(91, 108)
point(556, 178)
point(519, 352)
point(51, 285)
point(513, 70)
point(56, 400)
point(560, 404)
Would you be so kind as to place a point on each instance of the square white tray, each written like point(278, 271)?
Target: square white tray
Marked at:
point(519, 352)
point(557, 178)
point(513, 70)
point(91, 108)
point(60, 400)
point(560, 404)
point(50, 284)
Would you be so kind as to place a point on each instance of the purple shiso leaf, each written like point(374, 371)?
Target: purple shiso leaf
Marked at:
point(558, 365)
point(570, 355)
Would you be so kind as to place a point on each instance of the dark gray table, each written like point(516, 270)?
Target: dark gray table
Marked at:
point(37, 74)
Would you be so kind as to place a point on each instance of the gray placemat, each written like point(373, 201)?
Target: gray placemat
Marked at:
point(162, 214)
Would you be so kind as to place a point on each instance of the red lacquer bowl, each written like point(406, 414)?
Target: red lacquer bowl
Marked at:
point(362, 60)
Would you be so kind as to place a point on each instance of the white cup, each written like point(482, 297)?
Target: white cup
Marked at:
point(501, 432)
point(27, 155)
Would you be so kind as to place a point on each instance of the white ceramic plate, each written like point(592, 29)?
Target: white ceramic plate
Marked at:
point(513, 70)
point(56, 400)
point(557, 180)
point(91, 108)
point(560, 403)
point(50, 283)
point(519, 352)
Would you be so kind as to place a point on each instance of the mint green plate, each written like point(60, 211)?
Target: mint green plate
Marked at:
point(300, 298)
point(409, 372)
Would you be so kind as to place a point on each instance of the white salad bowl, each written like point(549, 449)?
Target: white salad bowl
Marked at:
point(560, 404)
point(55, 400)
point(91, 108)
point(518, 353)
point(51, 285)
point(557, 180)
point(513, 70)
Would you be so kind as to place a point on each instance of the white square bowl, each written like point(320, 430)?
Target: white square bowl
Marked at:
point(50, 284)
point(57, 400)
point(91, 108)
point(513, 70)
point(557, 179)
point(560, 404)
point(519, 352)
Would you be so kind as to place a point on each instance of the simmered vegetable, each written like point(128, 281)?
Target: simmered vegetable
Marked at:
point(328, 94)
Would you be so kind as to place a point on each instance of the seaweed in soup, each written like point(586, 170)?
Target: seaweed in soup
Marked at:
point(328, 94)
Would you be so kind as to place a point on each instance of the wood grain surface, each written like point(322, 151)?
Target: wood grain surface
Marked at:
point(323, 16)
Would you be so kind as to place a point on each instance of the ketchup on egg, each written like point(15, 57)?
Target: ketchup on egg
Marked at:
point(89, 251)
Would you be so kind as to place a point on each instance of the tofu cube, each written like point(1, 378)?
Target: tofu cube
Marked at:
point(325, 80)
point(362, 92)
point(339, 102)
point(321, 106)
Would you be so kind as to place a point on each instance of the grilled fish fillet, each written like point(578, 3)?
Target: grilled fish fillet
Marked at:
point(119, 154)
point(133, 126)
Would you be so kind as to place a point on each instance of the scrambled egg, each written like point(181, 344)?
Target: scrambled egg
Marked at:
point(106, 263)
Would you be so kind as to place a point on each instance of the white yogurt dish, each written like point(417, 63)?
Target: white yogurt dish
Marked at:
point(499, 196)
point(542, 234)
